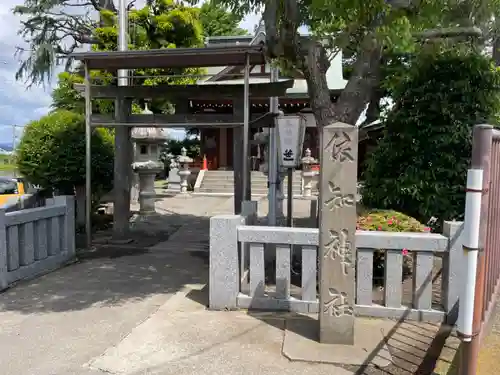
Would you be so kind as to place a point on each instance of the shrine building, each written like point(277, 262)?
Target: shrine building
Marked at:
point(217, 143)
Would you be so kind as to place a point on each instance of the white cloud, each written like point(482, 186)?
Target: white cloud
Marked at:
point(19, 105)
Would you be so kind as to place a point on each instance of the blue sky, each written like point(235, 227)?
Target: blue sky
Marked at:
point(19, 105)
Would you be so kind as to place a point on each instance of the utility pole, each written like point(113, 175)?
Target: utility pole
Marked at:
point(123, 144)
point(14, 142)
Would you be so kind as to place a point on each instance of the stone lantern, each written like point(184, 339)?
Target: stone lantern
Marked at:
point(147, 164)
point(183, 160)
point(307, 173)
point(262, 138)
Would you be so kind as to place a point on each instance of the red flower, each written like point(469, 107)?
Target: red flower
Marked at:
point(389, 221)
point(379, 228)
point(404, 251)
point(427, 229)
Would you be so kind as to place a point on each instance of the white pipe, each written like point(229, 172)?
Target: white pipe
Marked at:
point(471, 248)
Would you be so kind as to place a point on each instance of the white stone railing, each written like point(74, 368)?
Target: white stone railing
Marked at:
point(36, 240)
point(238, 270)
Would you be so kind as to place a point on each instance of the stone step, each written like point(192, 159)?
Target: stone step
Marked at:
point(253, 177)
point(223, 182)
point(254, 192)
point(230, 174)
point(253, 183)
point(231, 189)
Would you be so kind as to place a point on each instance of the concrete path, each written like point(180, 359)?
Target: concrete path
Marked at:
point(126, 312)
point(131, 310)
point(183, 338)
point(55, 324)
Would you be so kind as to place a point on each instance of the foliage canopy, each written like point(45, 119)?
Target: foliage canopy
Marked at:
point(53, 29)
point(419, 166)
point(51, 153)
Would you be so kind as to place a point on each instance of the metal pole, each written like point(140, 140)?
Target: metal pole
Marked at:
point(122, 39)
point(272, 175)
point(246, 130)
point(481, 155)
point(289, 201)
point(88, 160)
point(122, 165)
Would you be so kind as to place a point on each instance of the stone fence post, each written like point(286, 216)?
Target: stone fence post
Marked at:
point(453, 268)
point(224, 278)
point(69, 228)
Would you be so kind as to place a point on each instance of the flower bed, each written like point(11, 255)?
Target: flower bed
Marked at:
point(389, 221)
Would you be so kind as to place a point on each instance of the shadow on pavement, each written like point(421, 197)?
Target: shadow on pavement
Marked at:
point(117, 274)
point(415, 347)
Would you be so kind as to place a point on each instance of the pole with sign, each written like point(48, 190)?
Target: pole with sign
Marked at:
point(291, 130)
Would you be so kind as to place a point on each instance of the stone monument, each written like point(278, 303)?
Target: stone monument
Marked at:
point(147, 165)
point(337, 227)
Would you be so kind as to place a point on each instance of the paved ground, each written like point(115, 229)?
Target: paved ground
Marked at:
point(490, 350)
point(127, 310)
point(55, 324)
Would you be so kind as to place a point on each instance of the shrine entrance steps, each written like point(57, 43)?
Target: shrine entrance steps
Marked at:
point(222, 182)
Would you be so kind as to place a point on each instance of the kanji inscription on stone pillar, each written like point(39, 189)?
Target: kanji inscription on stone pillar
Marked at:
point(337, 228)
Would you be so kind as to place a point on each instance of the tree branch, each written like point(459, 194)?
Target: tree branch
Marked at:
point(452, 32)
point(359, 88)
point(270, 17)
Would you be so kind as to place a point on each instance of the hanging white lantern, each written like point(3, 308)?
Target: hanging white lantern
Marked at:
point(291, 131)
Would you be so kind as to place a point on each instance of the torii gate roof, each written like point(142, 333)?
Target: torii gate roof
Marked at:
point(174, 57)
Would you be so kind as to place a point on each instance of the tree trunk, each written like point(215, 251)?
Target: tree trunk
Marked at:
point(357, 93)
point(286, 42)
point(359, 89)
point(496, 50)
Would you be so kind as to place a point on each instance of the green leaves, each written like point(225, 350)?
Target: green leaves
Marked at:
point(52, 152)
point(56, 28)
point(217, 21)
point(419, 166)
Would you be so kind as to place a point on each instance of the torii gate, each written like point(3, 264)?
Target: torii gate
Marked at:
point(123, 120)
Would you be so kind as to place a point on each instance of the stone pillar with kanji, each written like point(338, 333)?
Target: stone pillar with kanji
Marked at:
point(337, 228)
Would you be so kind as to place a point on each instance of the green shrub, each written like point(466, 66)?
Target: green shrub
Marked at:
point(419, 166)
point(389, 221)
point(51, 153)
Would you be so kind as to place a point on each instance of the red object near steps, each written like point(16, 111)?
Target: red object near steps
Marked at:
point(205, 165)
